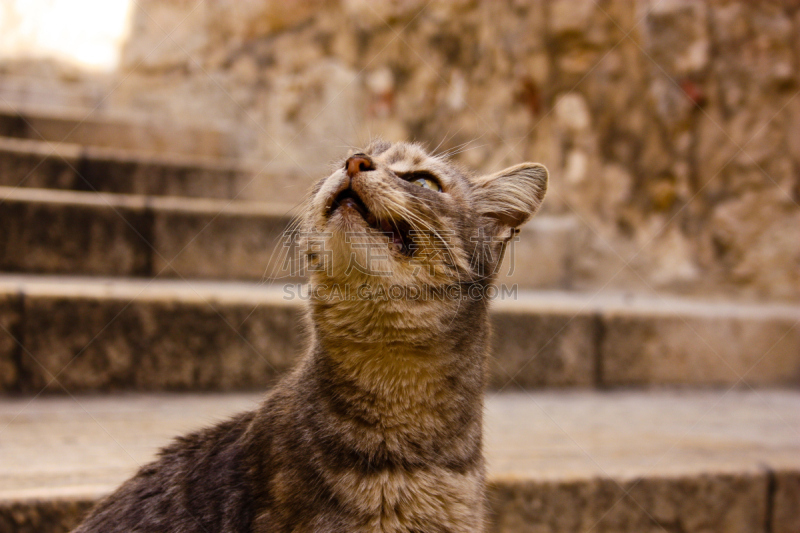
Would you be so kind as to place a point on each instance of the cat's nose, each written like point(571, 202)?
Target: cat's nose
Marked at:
point(358, 163)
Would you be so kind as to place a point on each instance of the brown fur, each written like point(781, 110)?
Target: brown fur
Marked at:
point(379, 428)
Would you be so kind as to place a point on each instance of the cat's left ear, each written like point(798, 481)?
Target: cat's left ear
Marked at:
point(512, 196)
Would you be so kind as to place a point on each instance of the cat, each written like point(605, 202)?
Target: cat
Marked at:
point(379, 428)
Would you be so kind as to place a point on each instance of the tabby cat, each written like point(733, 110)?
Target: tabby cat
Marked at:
point(379, 429)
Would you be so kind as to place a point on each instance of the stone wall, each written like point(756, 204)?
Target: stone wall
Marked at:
point(671, 127)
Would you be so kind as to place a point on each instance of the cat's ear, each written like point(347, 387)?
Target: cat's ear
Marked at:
point(512, 196)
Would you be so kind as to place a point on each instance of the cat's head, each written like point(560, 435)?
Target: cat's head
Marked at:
point(393, 215)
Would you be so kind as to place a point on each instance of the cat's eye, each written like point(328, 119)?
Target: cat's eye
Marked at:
point(423, 179)
point(427, 183)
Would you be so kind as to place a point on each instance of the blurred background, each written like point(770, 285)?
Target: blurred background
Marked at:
point(152, 152)
point(668, 126)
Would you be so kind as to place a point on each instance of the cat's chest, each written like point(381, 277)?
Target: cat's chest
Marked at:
point(420, 499)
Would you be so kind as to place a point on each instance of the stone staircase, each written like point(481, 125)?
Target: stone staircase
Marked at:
point(560, 461)
point(133, 308)
point(78, 127)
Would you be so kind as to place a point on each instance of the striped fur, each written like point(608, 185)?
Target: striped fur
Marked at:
point(379, 428)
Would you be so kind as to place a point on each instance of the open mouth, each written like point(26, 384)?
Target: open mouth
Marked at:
point(397, 231)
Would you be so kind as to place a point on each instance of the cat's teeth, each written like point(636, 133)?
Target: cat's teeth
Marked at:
point(396, 242)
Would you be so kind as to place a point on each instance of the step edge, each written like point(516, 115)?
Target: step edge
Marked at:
point(532, 302)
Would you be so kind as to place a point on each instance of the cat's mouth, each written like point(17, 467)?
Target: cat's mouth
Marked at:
point(397, 231)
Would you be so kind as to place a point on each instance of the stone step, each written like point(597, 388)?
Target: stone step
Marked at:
point(562, 462)
point(69, 232)
point(92, 128)
point(51, 165)
point(89, 334)
point(48, 231)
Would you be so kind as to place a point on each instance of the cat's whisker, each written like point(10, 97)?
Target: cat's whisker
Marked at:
point(282, 250)
point(461, 147)
point(469, 149)
point(424, 226)
point(445, 138)
point(446, 152)
point(289, 231)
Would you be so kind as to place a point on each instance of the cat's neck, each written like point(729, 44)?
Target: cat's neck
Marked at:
point(402, 372)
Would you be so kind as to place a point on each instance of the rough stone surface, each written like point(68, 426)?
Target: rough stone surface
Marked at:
point(543, 254)
point(109, 171)
point(94, 129)
point(786, 502)
point(542, 350)
point(34, 164)
point(566, 462)
point(113, 334)
point(687, 349)
point(708, 503)
point(77, 344)
point(10, 306)
point(222, 244)
point(95, 237)
point(130, 235)
point(40, 164)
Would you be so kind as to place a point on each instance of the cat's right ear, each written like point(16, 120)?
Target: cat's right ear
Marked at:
point(512, 196)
